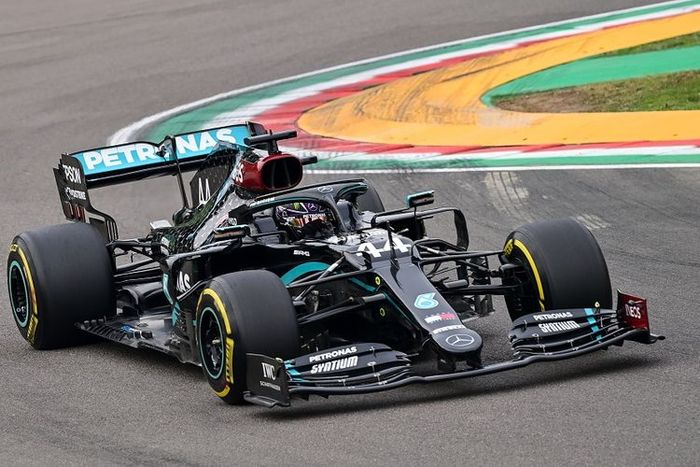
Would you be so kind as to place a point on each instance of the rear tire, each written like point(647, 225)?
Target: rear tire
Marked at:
point(563, 264)
point(239, 313)
point(58, 276)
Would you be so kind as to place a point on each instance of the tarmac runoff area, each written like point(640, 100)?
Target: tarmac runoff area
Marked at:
point(74, 72)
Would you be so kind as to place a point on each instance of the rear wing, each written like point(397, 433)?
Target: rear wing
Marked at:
point(93, 168)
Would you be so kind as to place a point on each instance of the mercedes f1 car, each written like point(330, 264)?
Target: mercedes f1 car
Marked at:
point(280, 292)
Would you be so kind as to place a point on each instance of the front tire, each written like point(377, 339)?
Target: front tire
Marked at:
point(239, 313)
point(563, 268)
point(58, 276)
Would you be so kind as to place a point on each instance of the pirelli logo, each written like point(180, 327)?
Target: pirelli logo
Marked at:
point(31, 331)
point(229, 360)
point(508, 248)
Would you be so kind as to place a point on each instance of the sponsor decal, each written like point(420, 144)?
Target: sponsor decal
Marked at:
point(307, 218)
point(508, 248)
point(139, 154)
point(72, 174)
point(425, 301)
point(76, 194)
point(183, 282)
point(460, 340)
point(447, 316)
point(203, 141)
point(633, 311)
point(557, 327)
point(203, 191)
point(548, 316)
point(229, 359)
point(333, 365)
point(301, 253)
point(334, 354)
point(117, 157)
point(267, 384)
point(268, 371)
point(371, 248)
point(452, 327)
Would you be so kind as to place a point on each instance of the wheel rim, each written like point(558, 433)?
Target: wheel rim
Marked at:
point(211, 343)
point(19, 298)
point(528, 302)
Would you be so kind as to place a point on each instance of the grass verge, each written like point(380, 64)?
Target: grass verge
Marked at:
point(676, 91)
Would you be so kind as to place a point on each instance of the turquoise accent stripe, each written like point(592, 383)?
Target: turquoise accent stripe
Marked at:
point(176, 306)
point(315, 266)
point(420, 193)
point(592, 321)
point(363, 285)
point(304, 268)
point(165, 289)
point(294, 374)
point(176, 313)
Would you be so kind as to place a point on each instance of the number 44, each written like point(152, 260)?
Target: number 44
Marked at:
point(369, 247)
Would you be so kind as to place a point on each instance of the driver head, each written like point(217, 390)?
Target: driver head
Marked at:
point(303, 219)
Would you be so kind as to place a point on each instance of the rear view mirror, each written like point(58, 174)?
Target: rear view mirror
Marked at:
point(422, 198)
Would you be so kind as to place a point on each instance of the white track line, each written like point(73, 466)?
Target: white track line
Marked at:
point(408, 170)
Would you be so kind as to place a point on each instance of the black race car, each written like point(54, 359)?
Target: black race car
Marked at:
point(281, 292)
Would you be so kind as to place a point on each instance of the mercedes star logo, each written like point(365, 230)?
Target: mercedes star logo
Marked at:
point(460, 340)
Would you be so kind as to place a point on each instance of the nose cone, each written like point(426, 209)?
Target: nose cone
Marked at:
point(432, 312)
point(458, 340)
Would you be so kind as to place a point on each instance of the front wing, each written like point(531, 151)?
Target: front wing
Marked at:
point(372, 367)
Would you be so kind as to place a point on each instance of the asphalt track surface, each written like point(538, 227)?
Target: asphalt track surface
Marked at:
point(73, 72)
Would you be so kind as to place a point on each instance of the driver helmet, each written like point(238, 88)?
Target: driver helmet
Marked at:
point(300, 216)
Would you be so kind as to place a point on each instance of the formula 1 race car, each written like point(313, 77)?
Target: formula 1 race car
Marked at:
point(279, 291)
